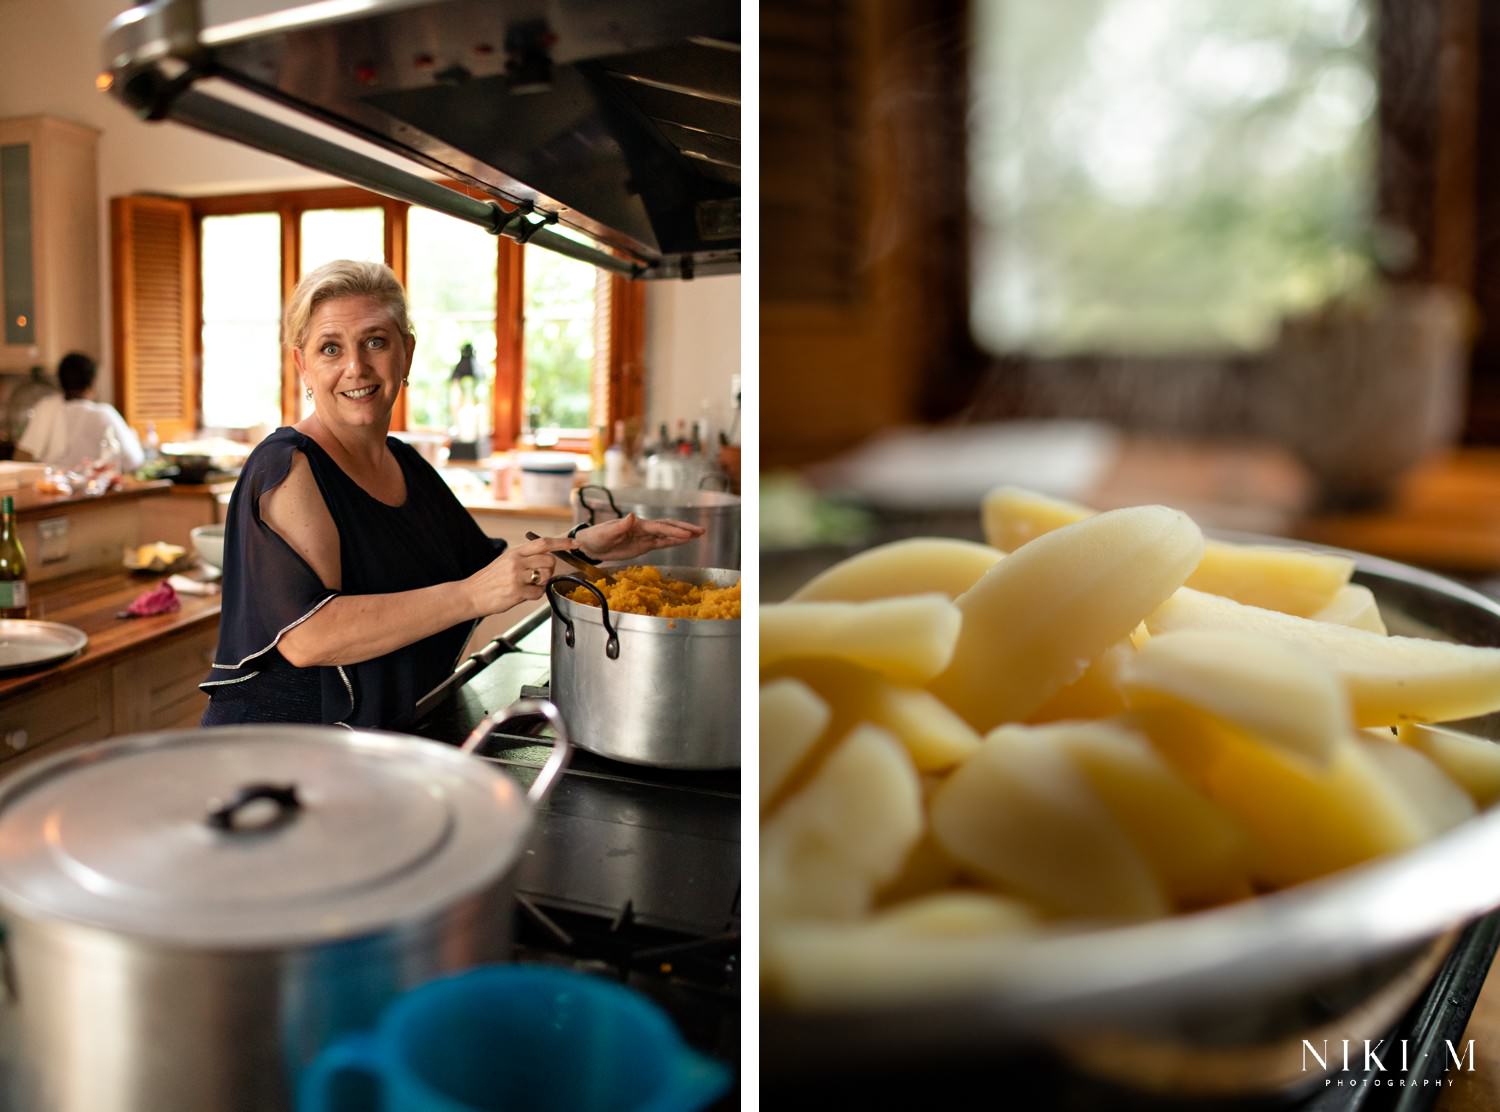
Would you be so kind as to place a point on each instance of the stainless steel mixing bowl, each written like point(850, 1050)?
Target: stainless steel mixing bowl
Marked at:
point(1216, 1001)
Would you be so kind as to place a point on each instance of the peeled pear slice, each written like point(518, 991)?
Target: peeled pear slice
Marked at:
point(1275, 691)
point(1292, 580)
point(926, 870)
point(1441, 800)
point(908, 639)
point(1389, 679)
point(792, 718)
point(929, 946)
point(1199, 853)
point(1303, 822)
point(920, 565)
point(1095, 694)
point(1473, 762)
point(1020, 815)
point(1353, 606)
point(1012, 516)
point(935, 737)
point(1035, 621)
point(844, 835)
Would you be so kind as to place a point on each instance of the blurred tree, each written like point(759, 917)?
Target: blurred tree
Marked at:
point(1156, 176)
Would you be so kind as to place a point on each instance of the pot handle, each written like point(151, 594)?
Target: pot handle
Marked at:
point(222, 815)
point(584, 502)
point(562, 747)
point(612, 641)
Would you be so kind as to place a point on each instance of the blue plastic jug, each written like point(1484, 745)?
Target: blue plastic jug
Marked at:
point(525, 1037)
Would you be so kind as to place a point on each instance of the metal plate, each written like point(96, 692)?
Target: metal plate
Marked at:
point(30, 644)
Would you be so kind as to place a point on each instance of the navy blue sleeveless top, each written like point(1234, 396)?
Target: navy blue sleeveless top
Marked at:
point(268, 589)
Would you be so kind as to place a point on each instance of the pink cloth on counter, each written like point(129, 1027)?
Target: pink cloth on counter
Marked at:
point(161, 599)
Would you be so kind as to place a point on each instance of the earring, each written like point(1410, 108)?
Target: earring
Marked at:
point(309, 393)
point(406, 381)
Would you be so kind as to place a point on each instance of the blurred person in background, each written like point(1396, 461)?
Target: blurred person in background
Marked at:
point(66, 432)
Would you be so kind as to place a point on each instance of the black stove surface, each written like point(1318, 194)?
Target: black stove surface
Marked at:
point(632, 873)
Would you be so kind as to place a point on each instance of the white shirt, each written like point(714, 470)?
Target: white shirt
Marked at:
point(65, 434)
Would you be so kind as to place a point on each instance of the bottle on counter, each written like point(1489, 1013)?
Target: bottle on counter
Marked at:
point(13, 598)
point(615, 458)
point(151, 443)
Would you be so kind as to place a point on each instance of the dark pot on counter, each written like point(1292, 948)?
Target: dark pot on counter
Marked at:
point(717, 511)
point(190, 916)
point(651, 691)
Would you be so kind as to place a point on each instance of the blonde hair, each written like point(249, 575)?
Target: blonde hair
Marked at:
point(342, 278)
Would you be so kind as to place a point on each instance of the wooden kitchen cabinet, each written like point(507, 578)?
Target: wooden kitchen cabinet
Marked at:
point(72, 712)
point(154, 688)
point(157, 688)
point(49, 242)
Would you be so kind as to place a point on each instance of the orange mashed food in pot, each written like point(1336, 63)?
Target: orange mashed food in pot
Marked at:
point(644, 590)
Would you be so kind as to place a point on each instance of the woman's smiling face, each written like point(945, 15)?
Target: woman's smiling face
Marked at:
point(353, 360)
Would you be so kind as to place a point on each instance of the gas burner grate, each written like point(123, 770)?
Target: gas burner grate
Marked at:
point(695, 980)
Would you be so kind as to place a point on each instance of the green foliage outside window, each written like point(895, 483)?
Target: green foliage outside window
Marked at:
point(1165, 175)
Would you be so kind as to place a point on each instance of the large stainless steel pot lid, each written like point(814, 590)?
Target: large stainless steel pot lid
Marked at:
point(142, 835)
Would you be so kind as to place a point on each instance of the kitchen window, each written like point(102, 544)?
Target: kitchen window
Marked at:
point(556, 344)
point(1160, 176)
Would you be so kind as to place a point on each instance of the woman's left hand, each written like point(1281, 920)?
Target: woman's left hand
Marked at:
point(627, 537)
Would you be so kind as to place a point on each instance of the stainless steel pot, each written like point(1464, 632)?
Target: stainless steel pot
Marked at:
point(717, 511)
point(1213, 1003)
point(651, 691)
point(190, 916)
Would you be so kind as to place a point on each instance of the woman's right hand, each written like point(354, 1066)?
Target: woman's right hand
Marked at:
point(517, 575)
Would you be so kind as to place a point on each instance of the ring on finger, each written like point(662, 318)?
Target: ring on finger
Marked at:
point(535, 578)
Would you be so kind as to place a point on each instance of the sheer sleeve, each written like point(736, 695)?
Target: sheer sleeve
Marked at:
point(268, 588)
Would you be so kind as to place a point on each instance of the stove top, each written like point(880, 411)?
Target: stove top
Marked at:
point(633, 872)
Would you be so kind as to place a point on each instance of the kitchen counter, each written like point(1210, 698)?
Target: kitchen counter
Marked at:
point(30, 503)
point(135, 675)
point(91, 603)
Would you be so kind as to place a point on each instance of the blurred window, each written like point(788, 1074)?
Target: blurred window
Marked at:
point(1162, 176)
point(559, 342)
point(241, 259)
point(451, 287)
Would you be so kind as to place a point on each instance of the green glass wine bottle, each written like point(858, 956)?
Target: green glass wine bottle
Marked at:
point(13, 598)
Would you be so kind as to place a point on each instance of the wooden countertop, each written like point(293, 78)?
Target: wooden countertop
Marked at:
point(31, 504)
point(90, 602)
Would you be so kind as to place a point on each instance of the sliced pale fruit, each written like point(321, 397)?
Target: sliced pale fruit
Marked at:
point(1303, 821)
point(1012, 516)
point(1353, 606)
point(920, 565)
point(1096, 693)
point(1035, 621)
point(1020, 815)
point(844, 835)
point(930, 946)
point(908, 639)
point(926, 870)
point(1274, 690)
point(1472, 761)
point(1292, 580)
point(1442, 801)
point(936, 738)
point(1389, 679)
point(1198, 852)
point(792, 718)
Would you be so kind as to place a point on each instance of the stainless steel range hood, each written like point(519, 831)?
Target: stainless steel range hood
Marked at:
point(619, 120)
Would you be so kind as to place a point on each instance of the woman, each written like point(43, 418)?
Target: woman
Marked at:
point(352, 576)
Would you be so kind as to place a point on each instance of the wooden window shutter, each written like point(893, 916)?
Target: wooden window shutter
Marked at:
point(155, 313)
point(619, 352)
